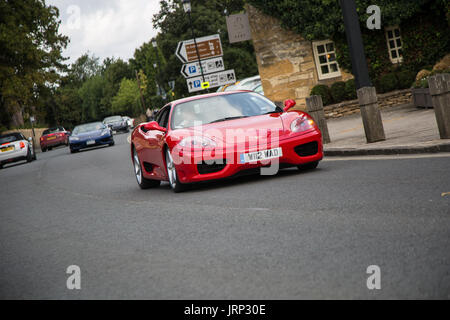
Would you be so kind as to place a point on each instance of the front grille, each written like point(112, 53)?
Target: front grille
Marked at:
point(307, 149)
point(205, 168)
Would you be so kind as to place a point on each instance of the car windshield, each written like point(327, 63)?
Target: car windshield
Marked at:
point(88, 127)
point(52, 130)
point(112, 119)
point(11, 137)
point(220, 108)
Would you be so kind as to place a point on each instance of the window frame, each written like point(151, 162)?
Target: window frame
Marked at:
point(316, 54)
point(399, 58)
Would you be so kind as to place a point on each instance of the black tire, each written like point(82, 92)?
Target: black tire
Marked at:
point(174, 182)
point(111, 144)
point(308, 166)
point(142, 182)
point(43, 149)
point(1, 166)
point(29, 156)
point(73, 151)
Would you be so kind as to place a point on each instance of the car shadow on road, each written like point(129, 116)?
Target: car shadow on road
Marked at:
point(245, 179)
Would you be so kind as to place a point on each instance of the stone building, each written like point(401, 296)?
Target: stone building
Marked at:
point(289, 65)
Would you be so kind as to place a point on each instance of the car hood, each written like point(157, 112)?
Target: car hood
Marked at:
point(90, 134)
point(252, 128)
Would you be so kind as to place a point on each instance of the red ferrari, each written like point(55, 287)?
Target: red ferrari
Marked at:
point(220, 135)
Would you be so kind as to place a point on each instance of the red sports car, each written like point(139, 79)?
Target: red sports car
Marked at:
point(220, 135)
point(54, 137)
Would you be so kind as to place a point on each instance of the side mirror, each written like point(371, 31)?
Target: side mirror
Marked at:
point(153, 125)
point(289, 104)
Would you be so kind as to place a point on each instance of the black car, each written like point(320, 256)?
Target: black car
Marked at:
point(116, 123)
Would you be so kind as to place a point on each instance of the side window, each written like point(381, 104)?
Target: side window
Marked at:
point(163, 117)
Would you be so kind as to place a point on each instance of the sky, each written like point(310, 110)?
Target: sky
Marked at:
point(105, 28)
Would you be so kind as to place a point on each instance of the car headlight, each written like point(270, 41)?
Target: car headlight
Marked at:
point(197, 142)
point(105, 132)
point(74, 138)
point(301, 124)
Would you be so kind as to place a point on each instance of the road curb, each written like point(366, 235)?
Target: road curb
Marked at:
point(445, 147)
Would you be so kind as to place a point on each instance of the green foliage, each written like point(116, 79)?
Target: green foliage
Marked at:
point(424, 27)
point(423, 83)
point(323, 91)
point(127, 99)
point(405, 78)
point(91, 94)
point(30, 54)
point(338, 92)
point(388, 82)
point(207, 18)
point(350, 89)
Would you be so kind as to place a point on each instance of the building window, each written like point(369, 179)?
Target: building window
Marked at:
point(394, 43)
point(325, 57)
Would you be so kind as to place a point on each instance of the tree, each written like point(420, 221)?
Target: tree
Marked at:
point(208, 17)
point(30, 54)
point(127, 99)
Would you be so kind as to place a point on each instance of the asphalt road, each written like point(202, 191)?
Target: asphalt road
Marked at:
point(296, 235)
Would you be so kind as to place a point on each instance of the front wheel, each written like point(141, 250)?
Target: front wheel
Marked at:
point(142, 182)
point(174, 182)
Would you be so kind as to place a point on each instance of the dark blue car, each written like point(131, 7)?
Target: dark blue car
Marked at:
point(90, 135)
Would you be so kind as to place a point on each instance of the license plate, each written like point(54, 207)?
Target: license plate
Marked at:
point(51, 138)
point(8, 149)
point(90, 142)
point(261, 155)
point(114, 132)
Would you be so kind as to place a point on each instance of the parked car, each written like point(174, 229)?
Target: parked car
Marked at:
point(116, 123)
point(130, 122)
point(197, 130)
point(15, 147)
point(90, 135)
point(54, 137)
point(244, 84)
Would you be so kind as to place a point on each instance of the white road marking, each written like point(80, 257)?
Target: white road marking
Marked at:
point(389, 157)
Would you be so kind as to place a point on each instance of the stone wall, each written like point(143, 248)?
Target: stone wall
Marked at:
point(285, 60)
point(385, 100)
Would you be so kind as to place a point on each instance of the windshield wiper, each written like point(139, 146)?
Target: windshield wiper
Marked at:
point(277, 110)
point(228, 118)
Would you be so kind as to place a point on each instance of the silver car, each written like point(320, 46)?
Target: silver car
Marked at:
point(15, 147)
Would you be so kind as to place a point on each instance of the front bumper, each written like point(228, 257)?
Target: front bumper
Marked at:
point(78, 145)
point(13, 156)
point(296, 150)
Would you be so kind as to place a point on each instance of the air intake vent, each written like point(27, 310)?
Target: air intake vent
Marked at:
point(307, 149)
point(205, 168)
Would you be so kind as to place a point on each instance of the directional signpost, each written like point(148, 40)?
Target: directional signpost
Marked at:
point(208, 47)
point(214, 79)
point(203, 65)
point(192, 69)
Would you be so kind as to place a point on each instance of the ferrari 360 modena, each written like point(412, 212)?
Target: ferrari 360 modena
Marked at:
point(220, 135)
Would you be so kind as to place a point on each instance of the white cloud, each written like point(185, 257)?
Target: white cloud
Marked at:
point(106, 28)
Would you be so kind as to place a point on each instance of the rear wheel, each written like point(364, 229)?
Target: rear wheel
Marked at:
point(29, 156)
point(43, 149)
point(308, 166)
point(174, 182)
point(142, 182)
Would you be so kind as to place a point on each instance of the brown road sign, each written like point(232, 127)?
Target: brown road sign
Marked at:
point(208, 47)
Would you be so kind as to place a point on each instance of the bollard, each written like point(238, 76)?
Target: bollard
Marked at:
point(370, 114)
point(440, 95)
point(314, 106)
